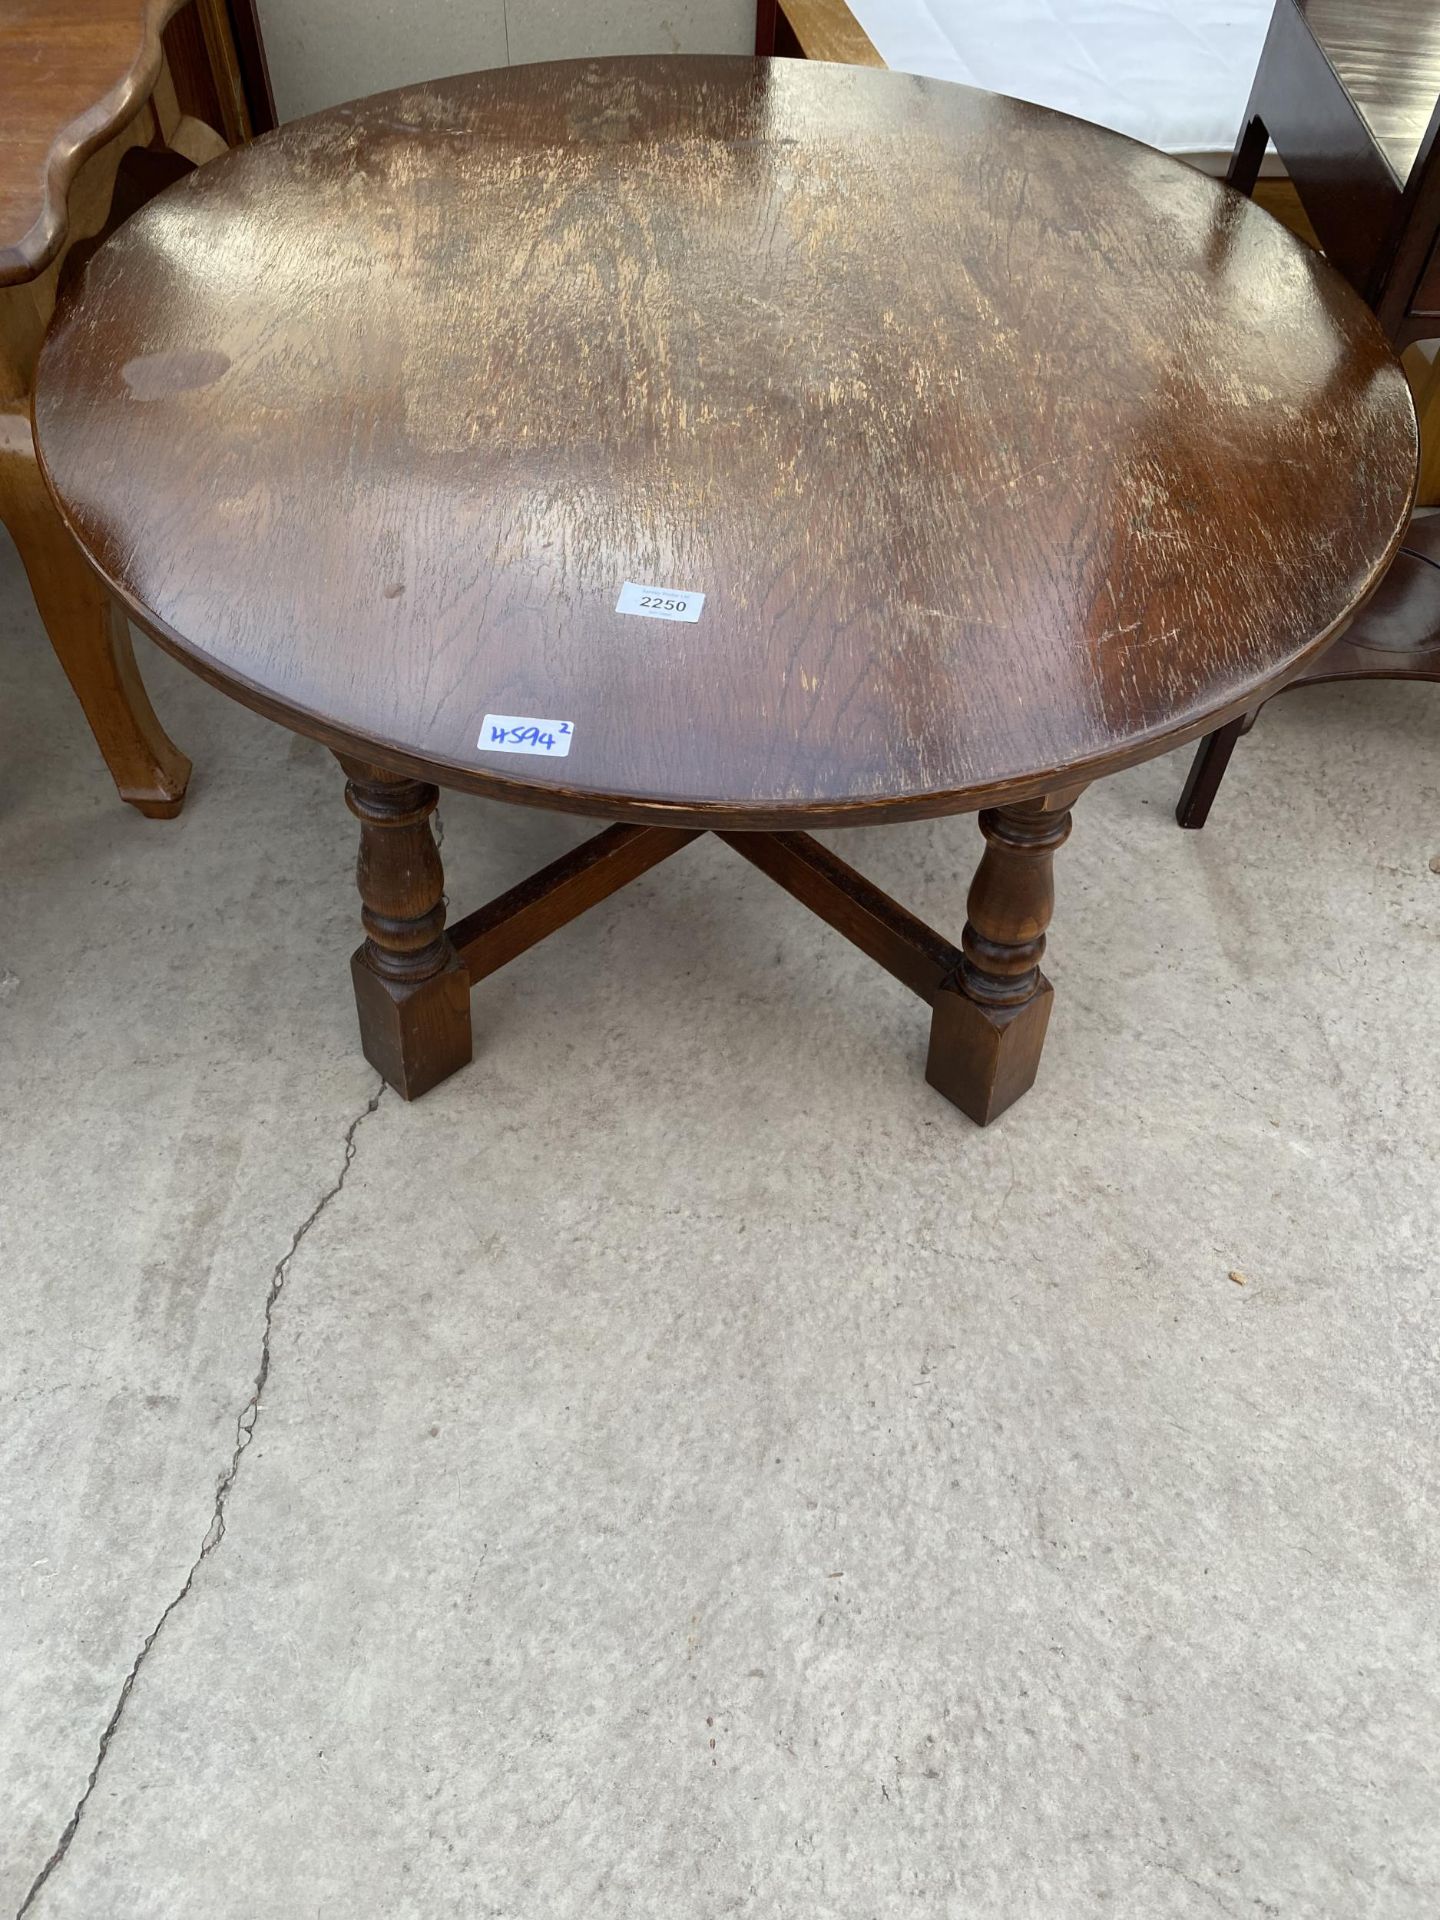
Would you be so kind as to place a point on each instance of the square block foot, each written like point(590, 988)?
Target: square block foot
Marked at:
point(415, 1034)
point(984, 1058)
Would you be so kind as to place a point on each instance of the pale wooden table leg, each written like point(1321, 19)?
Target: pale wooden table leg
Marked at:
point(411, 991)
point(88, 632)
point(86, 628)
point(990, 1017)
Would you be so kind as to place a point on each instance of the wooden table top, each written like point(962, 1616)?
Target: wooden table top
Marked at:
point(1004, 451)
point(72, 72)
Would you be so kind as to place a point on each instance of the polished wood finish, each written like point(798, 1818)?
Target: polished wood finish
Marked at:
point(72, 73)
point(411, 988)
point(1386, 55)
point(90, 637)
point(990, 1004)
point(917, 956)
point(953, 497)
point(1343, 181)
point(205, 68)
point(496, 934)
point(829, 33)
point(813, 30)
point(990, 1018)
point(253, 66)
point(95, 122)
point(1207, 770)
point(1396, 636)
point(962, 415)
point(1349, 92)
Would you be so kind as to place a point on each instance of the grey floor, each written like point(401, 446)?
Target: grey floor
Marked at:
point(698, 1473)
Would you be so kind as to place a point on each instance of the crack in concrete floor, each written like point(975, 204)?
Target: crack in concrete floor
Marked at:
point(245, 1424)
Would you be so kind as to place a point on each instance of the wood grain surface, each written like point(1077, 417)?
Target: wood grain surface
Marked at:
point(827, 30)
point(1005, 451)
point(1387, 54)
point(72, 72)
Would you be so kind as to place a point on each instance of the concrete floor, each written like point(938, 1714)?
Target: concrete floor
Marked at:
point(697, 1472)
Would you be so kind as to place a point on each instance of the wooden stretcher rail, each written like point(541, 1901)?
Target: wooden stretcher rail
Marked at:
point(916, 954)
point(507, 926)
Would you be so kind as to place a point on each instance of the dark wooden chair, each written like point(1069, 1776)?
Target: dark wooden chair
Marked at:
point(1349, 92)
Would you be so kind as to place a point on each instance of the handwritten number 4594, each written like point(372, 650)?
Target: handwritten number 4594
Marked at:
point(527, 736)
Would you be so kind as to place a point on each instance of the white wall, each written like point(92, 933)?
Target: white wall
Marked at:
point(322, 51)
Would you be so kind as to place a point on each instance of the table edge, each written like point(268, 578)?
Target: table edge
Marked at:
point(766, 816)
point(27, 258)
point(723, 816)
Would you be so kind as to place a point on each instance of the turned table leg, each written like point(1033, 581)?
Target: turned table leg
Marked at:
point(89, 634)
point(990, 1017)
point(411, 992)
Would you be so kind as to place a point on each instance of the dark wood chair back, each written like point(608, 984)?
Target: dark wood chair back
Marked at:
point(1349, 93)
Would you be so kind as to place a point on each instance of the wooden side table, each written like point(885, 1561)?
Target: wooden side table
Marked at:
point(1349, 93)
point(729, 446)
point(98, 104)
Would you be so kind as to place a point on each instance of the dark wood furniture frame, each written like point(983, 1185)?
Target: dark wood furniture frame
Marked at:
point(989, 1001)
point(1349, 92)
point(813, 30)
point(822, 454)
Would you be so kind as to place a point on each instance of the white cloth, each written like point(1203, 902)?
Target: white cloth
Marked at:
point(1173, 73)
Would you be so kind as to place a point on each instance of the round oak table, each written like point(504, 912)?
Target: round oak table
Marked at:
point(723, 445)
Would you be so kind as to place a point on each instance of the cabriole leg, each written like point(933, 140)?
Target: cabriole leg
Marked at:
point(89, 635)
